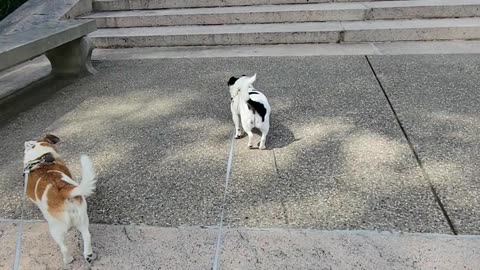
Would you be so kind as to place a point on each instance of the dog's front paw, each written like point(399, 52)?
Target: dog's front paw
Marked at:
point(239, 135)
point(90, 257)
point(68, 259)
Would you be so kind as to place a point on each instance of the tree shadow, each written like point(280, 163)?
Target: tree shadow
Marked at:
point(160, 143)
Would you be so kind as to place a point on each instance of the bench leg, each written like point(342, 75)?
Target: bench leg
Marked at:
point(73, 58)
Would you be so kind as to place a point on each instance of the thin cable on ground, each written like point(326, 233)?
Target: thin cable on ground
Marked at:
point(18, 247)
point(222, 211)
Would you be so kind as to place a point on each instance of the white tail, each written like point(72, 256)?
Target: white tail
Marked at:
point(87, 186)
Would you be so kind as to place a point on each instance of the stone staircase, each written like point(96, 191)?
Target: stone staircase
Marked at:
point(142, 23)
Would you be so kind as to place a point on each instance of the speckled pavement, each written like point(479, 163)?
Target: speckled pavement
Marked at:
point(121, 247)
point(438, 103)
point(159, 133)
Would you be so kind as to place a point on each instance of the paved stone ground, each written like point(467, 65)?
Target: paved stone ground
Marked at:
point(159, 133)
point(185, 248)
point(437, 100)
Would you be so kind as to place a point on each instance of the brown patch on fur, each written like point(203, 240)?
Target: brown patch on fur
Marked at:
point(50, 174)
point(50, 138)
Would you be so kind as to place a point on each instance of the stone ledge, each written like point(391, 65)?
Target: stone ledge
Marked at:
point(289, 33)
point(144, 247)
point(385, 10)
point(35, 12)
point(18, 47)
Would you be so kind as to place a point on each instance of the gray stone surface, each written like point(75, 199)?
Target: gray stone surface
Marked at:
point(310, 32)
point(231, 15)
point(159, 142)
point(18, 47)
point(437, 100)
point(157, 132)
point(244, 51)
point(423, 9)
point(390, 48)
point(327, 32)
point(158, 4)
point(411, 30)
point(336, 158)
point(72, 58)
point(78, 8)
point(14, 79)
point(184, 248)
point(249, 249)
point(117, 247)
point(35, 12)
point(23, 75)
point(289, 13)
point(103, 5)
point(432, 47)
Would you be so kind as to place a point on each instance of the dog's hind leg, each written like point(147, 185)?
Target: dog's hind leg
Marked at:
point(87, 239)
point(58, 230)
point(250, 138)
point(264, 129)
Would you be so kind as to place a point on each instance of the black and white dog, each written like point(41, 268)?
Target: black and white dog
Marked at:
point(249, 106)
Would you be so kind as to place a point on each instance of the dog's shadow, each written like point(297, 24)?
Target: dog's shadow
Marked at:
point(280, 135)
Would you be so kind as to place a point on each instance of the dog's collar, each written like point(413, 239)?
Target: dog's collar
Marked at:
point(46, 158)
point(238, 92)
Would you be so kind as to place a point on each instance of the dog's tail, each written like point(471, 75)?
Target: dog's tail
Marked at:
point(87, 186)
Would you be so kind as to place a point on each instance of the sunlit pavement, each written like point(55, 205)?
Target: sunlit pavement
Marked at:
point(346, 152)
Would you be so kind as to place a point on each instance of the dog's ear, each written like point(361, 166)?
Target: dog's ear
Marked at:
point(252, 79)
point(50, 139)
point(232, 81)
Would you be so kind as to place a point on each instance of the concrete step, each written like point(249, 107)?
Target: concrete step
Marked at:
point(319, 32)
point(279, 50)
point(290, 13)
point(104, 5)
point(183, 248)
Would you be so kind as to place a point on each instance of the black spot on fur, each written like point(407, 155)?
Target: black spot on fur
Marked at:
point(253, 93)
point(91, 257)
point(232, 81)
point(257, 107)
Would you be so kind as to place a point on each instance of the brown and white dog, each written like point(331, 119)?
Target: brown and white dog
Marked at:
point(61, 199)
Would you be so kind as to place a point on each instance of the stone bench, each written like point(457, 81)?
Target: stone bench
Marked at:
point(63, 42)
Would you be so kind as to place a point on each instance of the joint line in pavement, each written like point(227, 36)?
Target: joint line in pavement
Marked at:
point(414, 151)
